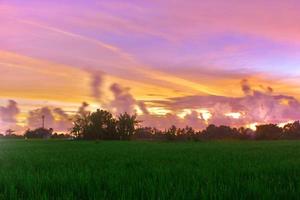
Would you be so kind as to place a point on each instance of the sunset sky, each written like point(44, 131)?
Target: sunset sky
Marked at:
point(189, 62)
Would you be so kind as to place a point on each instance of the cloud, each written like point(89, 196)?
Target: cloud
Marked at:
point(123, 101)
point(177, 21)
point(8, 117)
point(246, 87)
point(96, 84)
point(195, 120)
point(82, 109)
point(262, 105)
point(74, 35)
point(9, 113)
point(255, 107)
point(55, 118)
point(258, 18)
point(143, 107)
point(161, 122)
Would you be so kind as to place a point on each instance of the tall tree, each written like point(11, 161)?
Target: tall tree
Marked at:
point(102, 125)
point(96, 125)
point(268, 132)
point(291, 130)
point(81, 125)
point(126, 125)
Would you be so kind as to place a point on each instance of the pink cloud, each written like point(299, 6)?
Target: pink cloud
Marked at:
point(254, 107)
point(55, 118)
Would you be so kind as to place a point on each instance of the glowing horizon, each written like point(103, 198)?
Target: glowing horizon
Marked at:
point(182, 62)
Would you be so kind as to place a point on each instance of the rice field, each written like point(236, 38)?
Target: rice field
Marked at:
point(53, 169)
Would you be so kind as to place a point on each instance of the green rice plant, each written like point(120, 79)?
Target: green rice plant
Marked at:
point(58, 169)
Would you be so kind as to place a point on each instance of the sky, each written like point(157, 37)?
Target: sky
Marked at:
point(189, 62)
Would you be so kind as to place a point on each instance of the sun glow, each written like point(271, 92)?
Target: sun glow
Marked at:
point(184, 113)
point(234, 115)
point(138, 110)
point(281, 125)
point(158, 111)
point(204, 114)
point(252, 126)
point(284, 102)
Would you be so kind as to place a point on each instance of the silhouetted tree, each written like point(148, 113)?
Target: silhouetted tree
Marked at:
point(40, 133)
point(246, 133)
point(171, 133)
point(126, 125)
point(144, 133)
point(9, 132)
point(97, 125)
point(81, 125)
point(291, 131)
point(187, 133)
point(221, 132)
point(101, 125)
point(268, 132)
point(61, 136)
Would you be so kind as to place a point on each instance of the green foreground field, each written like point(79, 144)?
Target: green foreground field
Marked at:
point(149, 170)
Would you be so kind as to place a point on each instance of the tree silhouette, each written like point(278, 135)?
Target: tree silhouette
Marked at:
point(268, 132)
point(41, 133)
point(126, 125)
point(81, 125)
point(101, 125)
point(9, 132)
point(91, 125)
point(220, 132)
point(291, 131)
point(171, 133)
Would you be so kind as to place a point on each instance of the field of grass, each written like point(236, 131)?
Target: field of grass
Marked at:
point(149, 170)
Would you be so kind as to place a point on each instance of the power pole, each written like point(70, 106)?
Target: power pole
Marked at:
point(43, 121)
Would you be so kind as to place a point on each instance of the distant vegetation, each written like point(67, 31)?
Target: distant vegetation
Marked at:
point(102, 125)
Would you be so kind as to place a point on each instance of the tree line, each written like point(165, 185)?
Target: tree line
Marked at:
point(290, 131)
point(102, 125)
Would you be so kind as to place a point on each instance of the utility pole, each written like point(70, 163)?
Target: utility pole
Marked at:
point(43, 123)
